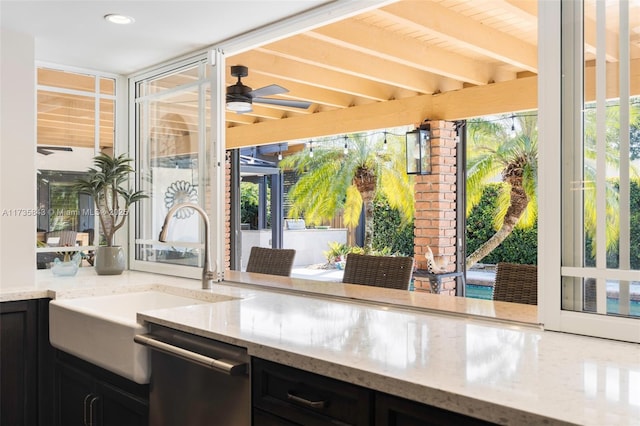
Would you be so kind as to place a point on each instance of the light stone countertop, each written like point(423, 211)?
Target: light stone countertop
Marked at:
point(506, 373)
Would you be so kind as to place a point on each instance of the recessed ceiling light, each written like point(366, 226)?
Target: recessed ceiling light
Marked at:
point(114, 18)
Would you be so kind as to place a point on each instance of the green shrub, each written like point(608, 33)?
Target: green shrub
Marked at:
point(390, 235)
point(339, 251)
point(250, 204)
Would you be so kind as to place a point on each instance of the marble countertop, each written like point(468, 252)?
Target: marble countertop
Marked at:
point(508, 373)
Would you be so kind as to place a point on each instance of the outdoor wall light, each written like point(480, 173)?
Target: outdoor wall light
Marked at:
point(419, 150)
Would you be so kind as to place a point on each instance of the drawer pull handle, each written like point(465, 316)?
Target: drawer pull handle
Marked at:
point(318, 405)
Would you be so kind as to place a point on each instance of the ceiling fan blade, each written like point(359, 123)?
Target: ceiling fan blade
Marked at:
point(272, 89)
point(283, 102)
point(43, 151)
point(48, 150)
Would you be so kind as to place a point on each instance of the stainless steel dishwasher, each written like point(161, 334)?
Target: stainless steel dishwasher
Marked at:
point(196, 381)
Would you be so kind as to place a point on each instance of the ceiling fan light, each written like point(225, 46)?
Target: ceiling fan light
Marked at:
point(239, 106)
point(115, 18)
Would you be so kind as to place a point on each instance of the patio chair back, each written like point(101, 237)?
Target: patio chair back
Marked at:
point(271, 261)
point(378, 271)
point(66, 238)
point(516, 283)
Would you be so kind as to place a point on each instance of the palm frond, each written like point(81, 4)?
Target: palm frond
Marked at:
point(352, 206)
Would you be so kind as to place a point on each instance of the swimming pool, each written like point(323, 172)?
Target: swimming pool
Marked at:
point(476, 291)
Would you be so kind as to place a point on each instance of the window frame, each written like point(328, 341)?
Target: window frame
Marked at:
point(561, 93)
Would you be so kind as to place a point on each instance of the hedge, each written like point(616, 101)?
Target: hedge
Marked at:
point(388, 231)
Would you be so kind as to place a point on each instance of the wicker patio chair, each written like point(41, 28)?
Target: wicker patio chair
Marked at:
point(378, 271)
point(516, 283)
point(67, 238)
point(271, 261)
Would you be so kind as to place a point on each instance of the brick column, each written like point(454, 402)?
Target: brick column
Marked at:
point(435, 218)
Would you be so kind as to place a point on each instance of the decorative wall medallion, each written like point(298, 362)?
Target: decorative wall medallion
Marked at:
point(180, 192)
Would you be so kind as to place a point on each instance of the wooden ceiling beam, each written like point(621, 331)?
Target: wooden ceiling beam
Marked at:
point(322, 54)
point(613, 83)
point(232, 117)
point(359, 36)
point(453, 27)
point(472, 102)
point(261, 62)
point(498, 98)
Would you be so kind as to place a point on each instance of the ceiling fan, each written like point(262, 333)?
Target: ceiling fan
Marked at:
point(48, 150)
point(241, 97)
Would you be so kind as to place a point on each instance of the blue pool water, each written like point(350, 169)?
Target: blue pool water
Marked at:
point(475, 291)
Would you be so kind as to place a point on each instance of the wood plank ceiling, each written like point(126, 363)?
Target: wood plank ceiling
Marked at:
point(402, 63)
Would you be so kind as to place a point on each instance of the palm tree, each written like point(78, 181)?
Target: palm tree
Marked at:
point(493, 151)
point(332, 180)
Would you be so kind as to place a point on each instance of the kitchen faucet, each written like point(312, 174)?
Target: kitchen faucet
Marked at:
point(208, 275)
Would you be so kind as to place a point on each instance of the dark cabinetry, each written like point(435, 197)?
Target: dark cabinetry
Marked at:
point(25, 363)
point(89, 395)
point(394, 411)
point(286, 396)
point(303, 398)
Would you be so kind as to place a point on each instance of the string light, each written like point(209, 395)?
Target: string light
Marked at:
point(513, 126)
point(386, 133)
point(279, 152)
point(346, 147)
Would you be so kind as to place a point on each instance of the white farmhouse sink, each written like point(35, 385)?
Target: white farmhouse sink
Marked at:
point(100, 329)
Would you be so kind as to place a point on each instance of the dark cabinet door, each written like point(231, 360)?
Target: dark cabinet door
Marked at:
point(119, 408)
point(18, 363)
point(74, 394)
point(87, 394)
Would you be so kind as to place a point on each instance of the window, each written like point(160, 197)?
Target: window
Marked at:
point(75, 121)
point(171, 113)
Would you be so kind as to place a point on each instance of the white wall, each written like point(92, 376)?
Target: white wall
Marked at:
point(309, 244)
point(17, 160)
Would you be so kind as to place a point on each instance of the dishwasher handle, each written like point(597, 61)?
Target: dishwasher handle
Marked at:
point(230, 367)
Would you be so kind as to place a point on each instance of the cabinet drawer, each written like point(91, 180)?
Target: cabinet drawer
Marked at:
point(394, 411)
point(309, 399)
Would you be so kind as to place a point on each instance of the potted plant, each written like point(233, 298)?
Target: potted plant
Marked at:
point(106, 183)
